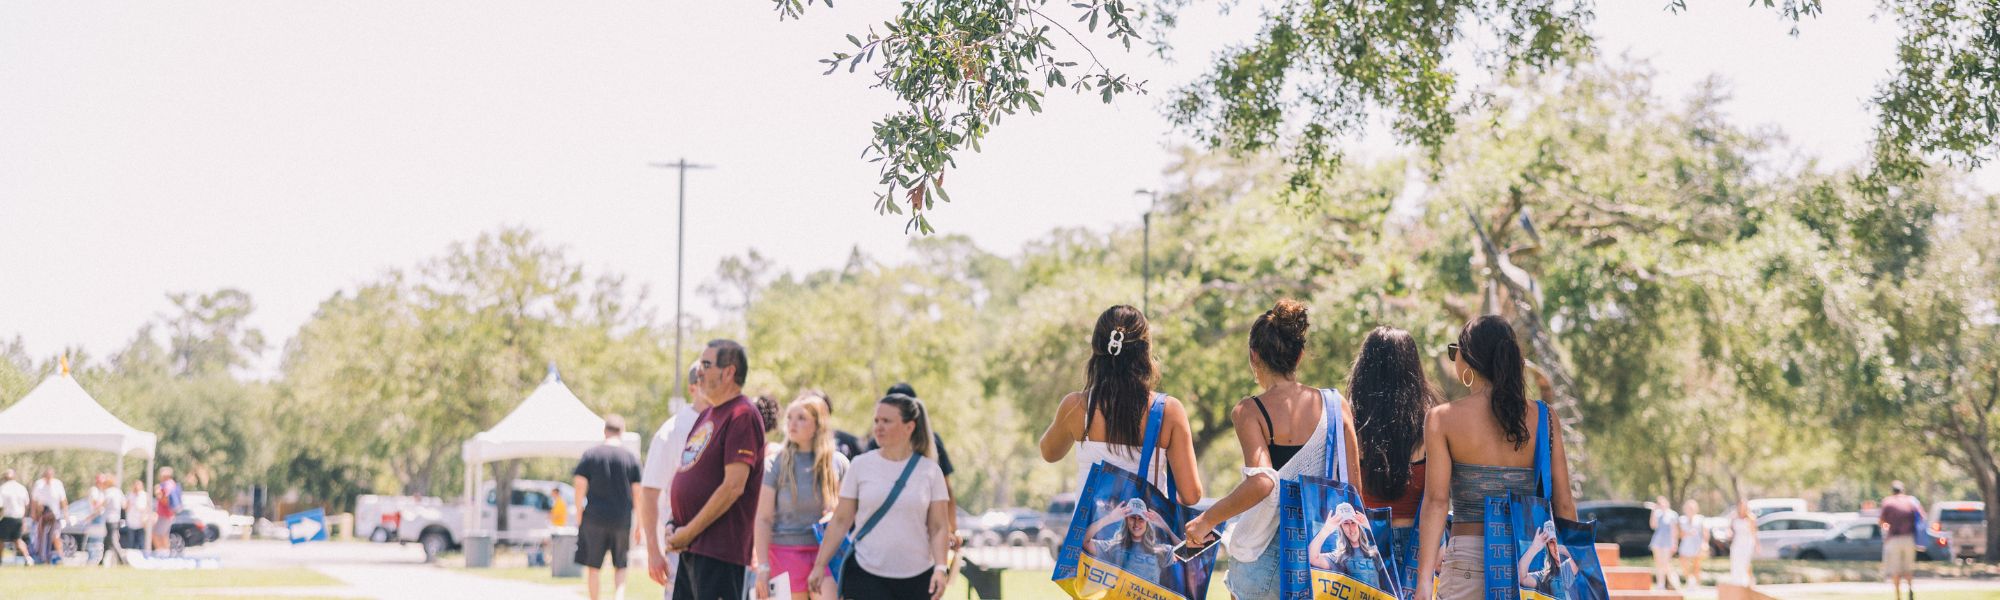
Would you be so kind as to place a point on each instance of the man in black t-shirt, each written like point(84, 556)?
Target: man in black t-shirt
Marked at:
point(607, 479)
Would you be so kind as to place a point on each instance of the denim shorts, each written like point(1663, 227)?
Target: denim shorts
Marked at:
point(1257, 578)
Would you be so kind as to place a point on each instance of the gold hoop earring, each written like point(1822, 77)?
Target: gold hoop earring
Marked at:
point(1465, 378)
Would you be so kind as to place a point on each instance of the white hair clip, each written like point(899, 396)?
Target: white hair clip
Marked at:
point(1117, 342)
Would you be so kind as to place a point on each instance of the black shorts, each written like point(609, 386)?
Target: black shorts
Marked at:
point(10, 529)
point(594, 540)
point(707, 578)
point(857, 583)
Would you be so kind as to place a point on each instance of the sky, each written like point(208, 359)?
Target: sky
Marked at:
point(296, 149)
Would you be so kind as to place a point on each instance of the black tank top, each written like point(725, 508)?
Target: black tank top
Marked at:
point(1280, 453)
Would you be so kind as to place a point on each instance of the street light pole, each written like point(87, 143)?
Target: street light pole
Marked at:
point(1146, 250)
point(680, 260)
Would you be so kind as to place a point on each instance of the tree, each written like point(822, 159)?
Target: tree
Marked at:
point(1317, 72)
point(737, 281)
point(389, 379)
point(208, 332)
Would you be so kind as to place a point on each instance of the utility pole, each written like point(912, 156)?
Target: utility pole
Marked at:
point(680, 262)
point(1146, 248)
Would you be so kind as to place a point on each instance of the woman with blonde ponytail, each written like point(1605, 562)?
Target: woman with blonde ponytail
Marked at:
point(801, 488)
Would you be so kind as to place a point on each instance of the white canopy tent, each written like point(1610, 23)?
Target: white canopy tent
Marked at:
point(59, 415)
point(551, 422)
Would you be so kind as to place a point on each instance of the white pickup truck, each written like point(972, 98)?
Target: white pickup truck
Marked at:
point(440, 526)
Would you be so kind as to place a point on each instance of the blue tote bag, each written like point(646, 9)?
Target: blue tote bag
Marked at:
point(1530, 553)
point(1327, 541)
point(1121, 539)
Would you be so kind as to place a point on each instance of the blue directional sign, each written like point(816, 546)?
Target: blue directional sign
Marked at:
point(308, 526)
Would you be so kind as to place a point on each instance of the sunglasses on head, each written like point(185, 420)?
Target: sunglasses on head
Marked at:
point(1451, 351)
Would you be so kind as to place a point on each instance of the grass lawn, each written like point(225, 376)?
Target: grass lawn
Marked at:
point(76, 582)
point(1017, 585)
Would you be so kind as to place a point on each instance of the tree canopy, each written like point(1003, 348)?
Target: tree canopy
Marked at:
point(1318, 72)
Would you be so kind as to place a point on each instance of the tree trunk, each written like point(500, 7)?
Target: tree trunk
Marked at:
point(1543, 350)
point(503, 493)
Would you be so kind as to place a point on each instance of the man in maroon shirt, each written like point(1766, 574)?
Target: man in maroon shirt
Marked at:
point(714, 494)
point(1900, 512)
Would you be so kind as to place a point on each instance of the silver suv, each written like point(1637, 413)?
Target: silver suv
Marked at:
point(1966, 522)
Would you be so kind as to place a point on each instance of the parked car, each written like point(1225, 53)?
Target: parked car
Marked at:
point(187, 531)
point(1627, 524)
point(1764, 506)
point(1966, 522)
point(1061, 508)
point(1014, 526)
point(1859, 539)
point(213, 519)
point(1777, 531)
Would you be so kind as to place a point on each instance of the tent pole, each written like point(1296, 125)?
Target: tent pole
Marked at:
point(149, 490)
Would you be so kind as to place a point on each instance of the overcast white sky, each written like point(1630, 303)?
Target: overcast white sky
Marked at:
point(293, 149)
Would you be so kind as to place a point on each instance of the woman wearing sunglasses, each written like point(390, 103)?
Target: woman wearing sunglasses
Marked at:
point(1480, 445)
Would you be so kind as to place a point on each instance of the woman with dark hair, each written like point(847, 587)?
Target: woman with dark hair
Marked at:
point(1106, 421)
point(1485, 446)
point(1283, 433)
point(904, 556)
point(1391, 397)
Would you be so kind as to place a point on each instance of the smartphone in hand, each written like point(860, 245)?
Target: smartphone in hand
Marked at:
point(1183, 552)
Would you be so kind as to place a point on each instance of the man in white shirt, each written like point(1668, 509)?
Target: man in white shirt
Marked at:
point(13, 514)
point(49, 501)
point(663, 459)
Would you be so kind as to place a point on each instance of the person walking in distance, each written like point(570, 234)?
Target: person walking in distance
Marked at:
point(1484, 444)
point(1900, 513)
point(801, 487)
point(663, 458)
point(114, 517)
point(138, 512)
point(715, 489)
point(48, 504)
point(1666, 530)
point(166, 504)
point(607, 481)
point(1693, 543)
point(13, 515)
point(1742, 544)
point(900, 490)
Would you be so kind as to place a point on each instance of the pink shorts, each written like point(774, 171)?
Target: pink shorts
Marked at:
point(795, 560)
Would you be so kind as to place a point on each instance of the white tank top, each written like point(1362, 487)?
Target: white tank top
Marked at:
point(1090, 452)
point(1118, 455)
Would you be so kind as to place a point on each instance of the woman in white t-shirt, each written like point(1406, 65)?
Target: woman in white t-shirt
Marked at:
point(905, 556)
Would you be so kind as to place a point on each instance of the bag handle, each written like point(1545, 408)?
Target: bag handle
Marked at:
point(1336, 437)
point(1154, 416)
point(894, 492)
point(1543, 457)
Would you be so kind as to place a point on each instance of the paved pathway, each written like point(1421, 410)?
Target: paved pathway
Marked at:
point(387, 571)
